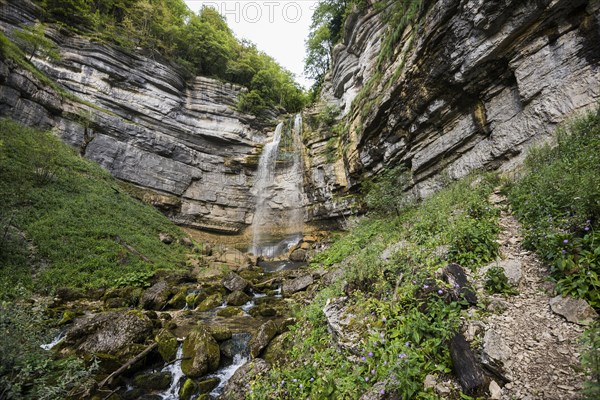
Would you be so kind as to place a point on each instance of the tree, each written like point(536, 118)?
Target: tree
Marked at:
point(33, 41)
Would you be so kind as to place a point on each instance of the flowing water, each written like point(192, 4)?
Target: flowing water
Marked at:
point(54, 342)
point(176, 377)
point(279, 193)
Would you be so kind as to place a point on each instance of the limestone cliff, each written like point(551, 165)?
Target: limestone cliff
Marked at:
point(180, 142)
point(470, 86)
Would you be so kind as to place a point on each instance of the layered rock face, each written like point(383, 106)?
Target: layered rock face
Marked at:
point(471, 86)
point(181, 144)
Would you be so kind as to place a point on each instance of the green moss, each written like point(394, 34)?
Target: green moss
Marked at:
point(167, 345)
point(68, 317)
point(188, 389)
point(230, 312)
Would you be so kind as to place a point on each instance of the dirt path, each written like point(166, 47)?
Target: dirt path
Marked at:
point(537, 349)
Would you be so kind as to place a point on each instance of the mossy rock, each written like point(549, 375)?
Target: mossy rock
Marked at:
point(156, 381)
point(115, 302)
point(207, 385)
point(68, 316)
point(179, 300)
point(192, 298)
point(167, 345)
point(220, 332)
point(201, 353)
point(188, 389)
point(212, 301)
point(230, 312)
point(277, 351)
point(238, 298)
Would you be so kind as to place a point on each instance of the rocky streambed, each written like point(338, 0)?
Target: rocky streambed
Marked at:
point(186, 334)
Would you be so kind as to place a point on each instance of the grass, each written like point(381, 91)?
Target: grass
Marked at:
point(400, 309)
point(64, 222)
point(558, 201)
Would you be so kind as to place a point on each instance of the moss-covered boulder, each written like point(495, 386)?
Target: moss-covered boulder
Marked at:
point(230, 312)
point(156, 297)
point(178, 301)
point(156, 381)
point(238, 298)
point(220, 332)
point(188, 389)
point(200, 353)
point(277, 351)
point(167, 345)
point(265, 333)
point(233, 282)
point(68, 317)
point(212, 301)
point(207, 385)
point(235, 389)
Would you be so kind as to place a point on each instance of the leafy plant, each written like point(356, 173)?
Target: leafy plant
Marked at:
point(387, 194)
point(497, 282)
point(590, 358)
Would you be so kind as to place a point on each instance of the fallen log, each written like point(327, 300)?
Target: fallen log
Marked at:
point(128, 365)
point(460, 286)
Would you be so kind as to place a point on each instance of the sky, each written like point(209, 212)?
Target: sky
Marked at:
point(277, 27)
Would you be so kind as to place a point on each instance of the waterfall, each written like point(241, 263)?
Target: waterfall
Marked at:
point(279, 192)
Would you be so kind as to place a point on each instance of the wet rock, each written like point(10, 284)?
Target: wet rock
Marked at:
point(220, 332)
point(212, 301)
point(167, 345)
point(238, 298)
point(156, 297)
point(574, 310)
point(156, 381)
point(235, 389)
point(188, 389)
point(338, 324)
point(238, 344)
point(233, 282)
point(298, 255)
point(165, 238)
point(207, 385)
point(265, 333)
point(200, 353)
point(179, 300)
point(230, 312)
point(298, 284)
point(109, 332)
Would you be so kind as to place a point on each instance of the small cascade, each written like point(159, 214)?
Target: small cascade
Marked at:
point(279, 191)
point(54, 341)
point(241, 356)
point(177, 375)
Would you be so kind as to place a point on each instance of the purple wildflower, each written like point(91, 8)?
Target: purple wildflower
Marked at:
point(403, 355)
point(370, 354)
point(301, 386)
point(425, 286)
point(312, 379)
point(363, 358)
point(440, 292)
point(384, 318)
point(295, 380)
point(366, 379)
point(563, 251)
point(382, 391)
point(372, 372)
point(587, 228)
point(566, 241)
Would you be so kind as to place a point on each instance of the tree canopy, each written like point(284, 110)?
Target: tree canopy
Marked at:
point(202, 42)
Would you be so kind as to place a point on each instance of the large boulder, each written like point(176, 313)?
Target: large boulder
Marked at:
point(235, 389)
point(298, 284)
point(263, 337)
point(277, 351)
point(200, 353)
point(212, 301)
point(339, 324)
point(167, 345)
point(156, 297)
point(238, 298)
point(234, 282)
point(109, 333)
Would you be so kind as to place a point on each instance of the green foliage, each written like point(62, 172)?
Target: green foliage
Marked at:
point(398, 309)
point(558, 202)
point(33, 41)
point(387, 194)
point(497, 282)
point(63, 217)
point(203, 43)
point(26, 370)
point(590, 359)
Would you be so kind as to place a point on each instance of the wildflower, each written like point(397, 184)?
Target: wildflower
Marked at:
point(381, 335)
point(374, 343)
point(566, 241)
point(312, 379)
point(563, 251)
point(370, 354)
point(363, 358)
point(385, 363)
point(301, 386)
point(372, 372)
point(440, 292)
point(366, 379)
point(282, 383)
point(384, 318)
point(382, 391)
point(407, 344)
point(425, 286)
point(403, 355)
point(587, 228)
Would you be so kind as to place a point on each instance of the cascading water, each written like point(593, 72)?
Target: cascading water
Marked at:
point(172, 393)
point(279, 191)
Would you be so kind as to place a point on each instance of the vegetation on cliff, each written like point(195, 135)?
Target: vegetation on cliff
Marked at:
point(202, 43)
